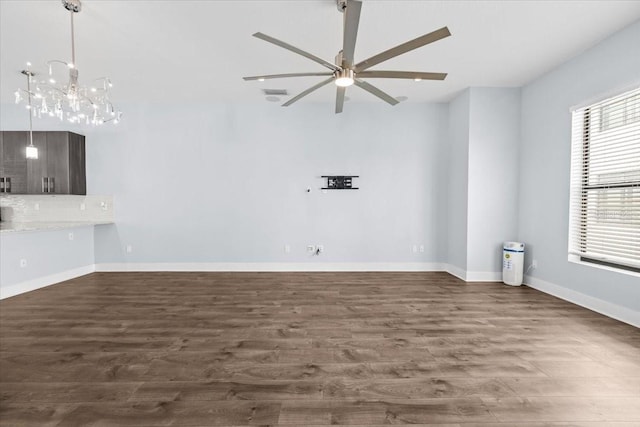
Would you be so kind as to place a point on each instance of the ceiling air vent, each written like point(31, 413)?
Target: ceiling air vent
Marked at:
point(275, 92)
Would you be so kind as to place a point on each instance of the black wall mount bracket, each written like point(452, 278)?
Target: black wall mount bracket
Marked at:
point(339, 182)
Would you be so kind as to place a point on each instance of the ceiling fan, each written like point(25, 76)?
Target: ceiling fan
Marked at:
point(346, 72)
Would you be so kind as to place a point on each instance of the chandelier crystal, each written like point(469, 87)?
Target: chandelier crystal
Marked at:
point(59, 94)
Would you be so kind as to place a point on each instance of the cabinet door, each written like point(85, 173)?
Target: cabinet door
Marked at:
point(37, 168)
point(58, 162)
point(1, 154)
point(14, 159)
point(77, 165)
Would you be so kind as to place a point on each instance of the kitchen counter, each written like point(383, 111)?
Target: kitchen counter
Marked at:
point(13, 227)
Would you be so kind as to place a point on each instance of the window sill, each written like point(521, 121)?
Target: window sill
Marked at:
point(576, 260)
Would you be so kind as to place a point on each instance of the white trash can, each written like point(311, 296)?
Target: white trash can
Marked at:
point(512, 263)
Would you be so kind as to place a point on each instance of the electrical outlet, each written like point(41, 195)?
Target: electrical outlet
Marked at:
point(83, 206)
point(129, 249)
point(104, 206)
point(534, 264)
point(311, 249)
point(414, 249)
point(71, 236)
point(287, 249)
point(421, 248)
point(319, 248)
point(23, 263)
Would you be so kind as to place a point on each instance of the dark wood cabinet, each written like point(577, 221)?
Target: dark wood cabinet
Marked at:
point(77, 165)
point(59, 168)
point(36, 168)
point(13, 167)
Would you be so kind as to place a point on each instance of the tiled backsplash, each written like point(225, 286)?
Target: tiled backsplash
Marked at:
point(56, 208)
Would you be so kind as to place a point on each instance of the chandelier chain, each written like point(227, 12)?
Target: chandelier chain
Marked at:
point(73, 41)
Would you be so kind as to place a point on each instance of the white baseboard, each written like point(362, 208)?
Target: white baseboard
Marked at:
point(271, 266)
point(609, 309)
point(41, 282)
point(455, 271)
point(484, 276)
point(473, 276)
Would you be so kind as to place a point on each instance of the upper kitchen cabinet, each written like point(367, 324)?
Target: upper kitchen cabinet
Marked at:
point(13, 165)
point(59, 168)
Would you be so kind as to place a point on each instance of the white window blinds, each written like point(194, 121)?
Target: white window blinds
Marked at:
point(605, 181)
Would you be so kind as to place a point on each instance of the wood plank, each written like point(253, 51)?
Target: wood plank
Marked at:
point(239, 349)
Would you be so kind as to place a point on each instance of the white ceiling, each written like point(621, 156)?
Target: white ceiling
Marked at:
point(163, 51)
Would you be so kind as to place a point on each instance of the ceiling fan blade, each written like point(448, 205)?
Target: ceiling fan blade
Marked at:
point(307, 92)
point(295, 50)
point(375, 91)
point(403, 48)
point(351, 22)
point(280, 76)
point(402, 75)
point(340, 99)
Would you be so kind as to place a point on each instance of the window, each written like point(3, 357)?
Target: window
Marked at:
point(605, 182)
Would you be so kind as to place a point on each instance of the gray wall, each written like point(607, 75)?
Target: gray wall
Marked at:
point(494, 136)
point(482, 200)
point(227, 183)
point(47, 253)
point(612, 65)
point(458, 178)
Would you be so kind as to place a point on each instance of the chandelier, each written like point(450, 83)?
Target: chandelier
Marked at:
point(59, 94)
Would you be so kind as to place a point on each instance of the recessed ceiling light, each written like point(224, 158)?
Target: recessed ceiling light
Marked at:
point(417, 79)
point(272, 98)
point(261, 80)
point(401, 98)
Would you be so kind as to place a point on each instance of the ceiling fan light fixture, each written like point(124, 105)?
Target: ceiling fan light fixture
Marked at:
point(344, 78)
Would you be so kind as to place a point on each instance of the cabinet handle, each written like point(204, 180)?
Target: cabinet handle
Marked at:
point(7, 184)
point(1, 184)
point(52, 184)
point(45, 184)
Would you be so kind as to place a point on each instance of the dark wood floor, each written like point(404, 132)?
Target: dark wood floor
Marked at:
point(204, 349)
